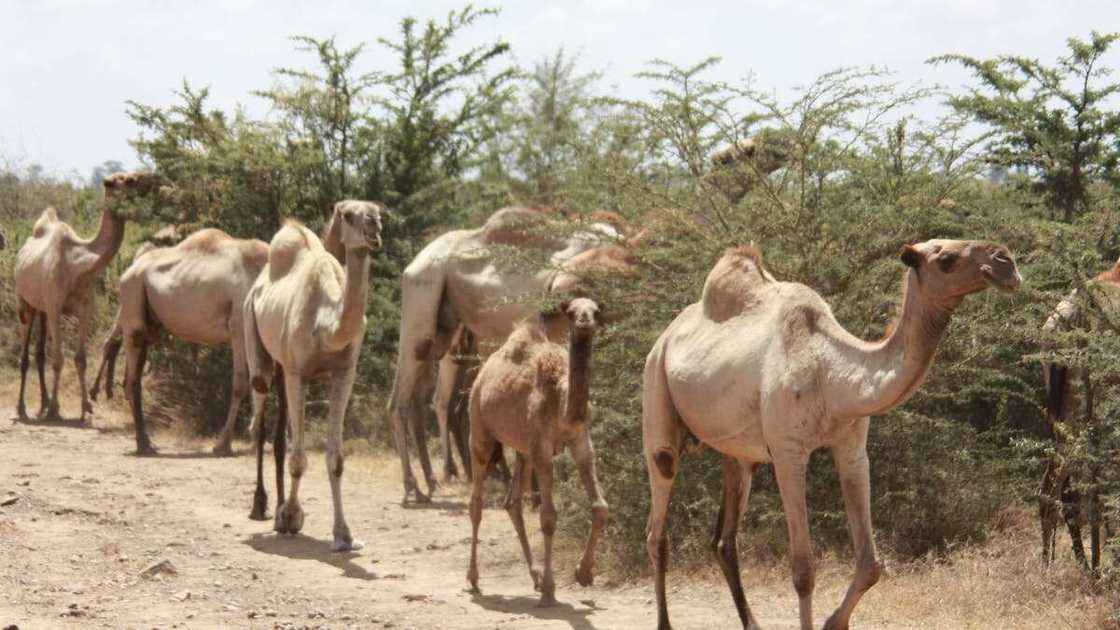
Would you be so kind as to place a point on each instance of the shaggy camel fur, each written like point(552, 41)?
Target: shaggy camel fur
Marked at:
point(164, 237)
point(1069, 402)
point(761, 371)
point(193, 291)
point(455, 281)
point(306, 312)
point(533, 396)
point(54, 275)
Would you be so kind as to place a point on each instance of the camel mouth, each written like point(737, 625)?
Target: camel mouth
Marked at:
point(1006, 285)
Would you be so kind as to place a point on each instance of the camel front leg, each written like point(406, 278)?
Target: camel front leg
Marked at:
point(27, 316)
point(736, 491)
point(403, 407)
point(341, 386)
point(583, 452)
point(482, 448)
point(444, 402)
point(789, 468)
point(1049, 498)
point(515, 509)
point(136, 355)
point(289, 518)
point(108, 365)
point(238, 392)
point(54, 334)
point(855, 485)
point(542, 464)
point(256, 431)
point(41, 364)
point(85, 318)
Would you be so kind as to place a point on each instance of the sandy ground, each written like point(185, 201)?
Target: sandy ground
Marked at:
point(88, 518)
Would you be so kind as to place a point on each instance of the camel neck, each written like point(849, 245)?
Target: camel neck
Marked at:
point(882, 375)
point(108, 240)
point(351, 319)
point(332, 240)
point(579, 378)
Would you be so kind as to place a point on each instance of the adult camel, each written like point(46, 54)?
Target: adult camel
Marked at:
point(760, 371)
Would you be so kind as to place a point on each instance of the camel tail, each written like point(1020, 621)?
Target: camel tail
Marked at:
point(260, 363)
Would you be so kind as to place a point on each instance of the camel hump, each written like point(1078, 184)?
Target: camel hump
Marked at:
point(207, 240)
point(49, 216)
point(290, 241)
point(517, 226)
point(731, 286)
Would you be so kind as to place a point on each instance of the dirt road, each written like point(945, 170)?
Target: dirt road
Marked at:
point(88, 518)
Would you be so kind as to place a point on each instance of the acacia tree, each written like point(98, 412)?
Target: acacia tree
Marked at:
point(1054, 121)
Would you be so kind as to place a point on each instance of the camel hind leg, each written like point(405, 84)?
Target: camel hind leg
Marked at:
point(515, 509)
point(41, 364)
point(27, 317)
point(341, 386)
point(54, 335)
point(583, 452)
point(239, 389)
point(85, 318)
point(108, 364)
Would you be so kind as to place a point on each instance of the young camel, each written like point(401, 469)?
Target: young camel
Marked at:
point(194, 291)
point(306, 312)
point(761, 371)
point(54, 275)
point(1066, 403)
point(533, 396)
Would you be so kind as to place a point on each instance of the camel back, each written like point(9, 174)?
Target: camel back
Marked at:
point(520, 226)
point(731, 285)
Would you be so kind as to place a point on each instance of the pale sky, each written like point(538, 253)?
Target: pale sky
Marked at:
point(68, 66)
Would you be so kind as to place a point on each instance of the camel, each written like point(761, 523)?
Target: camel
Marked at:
point(760, 371)
point(1068, 402)
point(455, 281)
point(164, 237)
point(54, 275)
point(306, 313)
point(194, 291)
point(534, 397)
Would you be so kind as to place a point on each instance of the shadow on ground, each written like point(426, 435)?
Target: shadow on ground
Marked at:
point(575, 617)
point(300, 547)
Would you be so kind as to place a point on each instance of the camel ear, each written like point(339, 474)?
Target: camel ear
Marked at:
point(563, 306)
point(910, 256)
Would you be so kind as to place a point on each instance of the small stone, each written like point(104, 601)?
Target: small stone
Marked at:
point(254, 576)
point(160, 568)
point(9, 500)
point(182, 596)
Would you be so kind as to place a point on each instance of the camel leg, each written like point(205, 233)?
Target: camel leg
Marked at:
point(27, 317)
point(1048, 501)
point(736, 491)
point(108, 365)
point(482, 448)
point(237, 393)
point(789, 468)
point(136, 355)
point(583, 452)
point(402, 410)
point(661, 438)
point(445, 401)
point(85, 318)
point(1070, 501)
point(260, 495)
point(855, 485)
point(280, 433)
point(341, 386)
point(420, 435)
point(41, 363)
point(289, 518)
point(515, 509)
point(54, 335)
point(542, 464)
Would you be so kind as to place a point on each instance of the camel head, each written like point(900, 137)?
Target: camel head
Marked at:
point(138, 183)
point(769, 149)
point(360, 223)
point(948, 270)
point(584, 315)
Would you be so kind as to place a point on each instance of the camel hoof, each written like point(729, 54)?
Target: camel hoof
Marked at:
point(349, 544)
point(146, 450)
point(87, 407)
point(832, 624)
point(222, 449)
point(260, 506)
point(472, 577)
point(584, 576)
point(289, 519)
point(547, 601)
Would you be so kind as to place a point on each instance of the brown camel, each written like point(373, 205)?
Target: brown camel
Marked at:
point(194, 291)
point(455, 281)
point(54, 275)
point(1069, 407)
point(164, 237)
point(534, 397)
point(761, 371)
point(306, 312)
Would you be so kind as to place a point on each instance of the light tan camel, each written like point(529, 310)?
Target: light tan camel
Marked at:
point(306, 312)
point(455, 281)
point(761, 371)
point(193, 291)
point(164, 237)
point(1070, 410)
point(534, 397)
point(54, 275)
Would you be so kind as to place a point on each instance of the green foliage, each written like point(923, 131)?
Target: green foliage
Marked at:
point(1055, 122)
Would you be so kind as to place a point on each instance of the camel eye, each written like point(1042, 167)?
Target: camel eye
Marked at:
point(947, 260)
